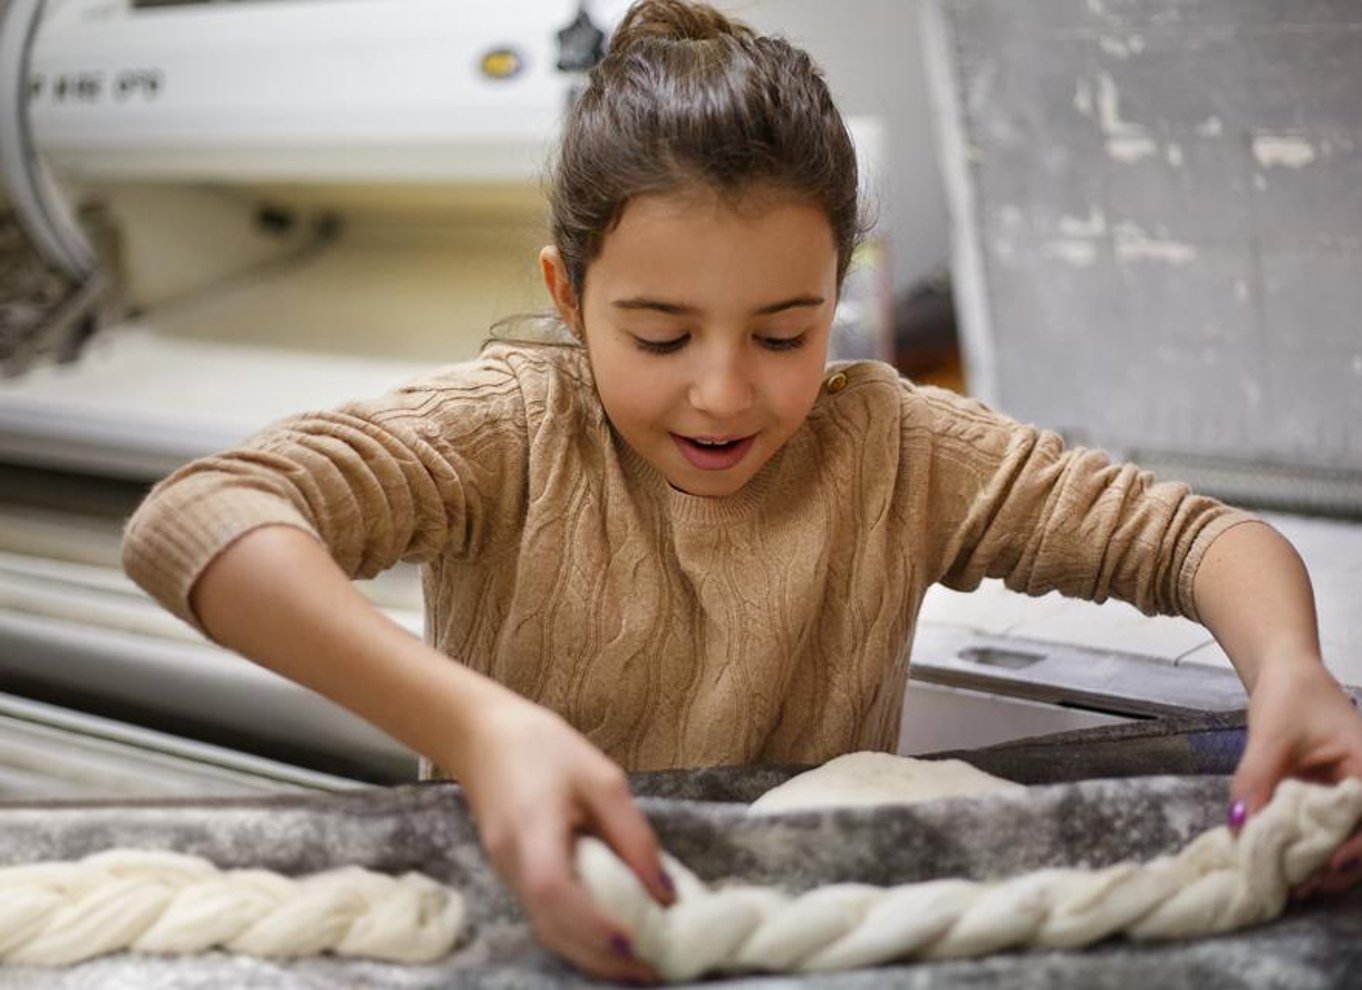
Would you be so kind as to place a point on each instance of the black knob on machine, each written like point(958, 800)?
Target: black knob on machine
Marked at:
point(581, 44)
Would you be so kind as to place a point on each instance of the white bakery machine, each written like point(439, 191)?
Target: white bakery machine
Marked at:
point(220, 213)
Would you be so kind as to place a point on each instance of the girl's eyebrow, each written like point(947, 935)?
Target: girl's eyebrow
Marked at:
point(681, 309)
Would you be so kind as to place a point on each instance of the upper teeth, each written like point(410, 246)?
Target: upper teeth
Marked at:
point(711, 443)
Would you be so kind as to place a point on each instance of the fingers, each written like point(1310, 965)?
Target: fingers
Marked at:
point(625, 829)
point(564, 916)
point(1348, 856)
point(1344, 869)
point(1343, 872)
point(568, 923)
point(1262, 767)
point(1263, 764)
point(562, 785)
point(1337, 880)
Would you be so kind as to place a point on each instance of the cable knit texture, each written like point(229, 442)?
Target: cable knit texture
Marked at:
point(771, 626)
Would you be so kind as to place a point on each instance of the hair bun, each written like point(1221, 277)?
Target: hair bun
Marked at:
point(674, 20)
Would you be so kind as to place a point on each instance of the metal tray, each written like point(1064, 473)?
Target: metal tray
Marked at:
point(700, 818)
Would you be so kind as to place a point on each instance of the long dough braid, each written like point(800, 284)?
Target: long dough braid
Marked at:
point(55, 914)
point(1218, 883)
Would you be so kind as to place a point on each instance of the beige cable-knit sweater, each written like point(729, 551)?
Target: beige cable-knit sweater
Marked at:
point(673, 630)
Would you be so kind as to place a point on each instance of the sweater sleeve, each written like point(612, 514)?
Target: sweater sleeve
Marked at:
point(1010, 501)
point(434, 467)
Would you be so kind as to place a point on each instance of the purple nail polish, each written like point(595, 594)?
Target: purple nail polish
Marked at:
point(621, 946)
point(1238, 812)
point(667, 883)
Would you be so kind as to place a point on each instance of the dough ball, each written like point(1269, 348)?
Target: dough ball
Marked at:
point(870, 778)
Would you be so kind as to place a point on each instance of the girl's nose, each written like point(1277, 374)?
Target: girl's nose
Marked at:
point(723, 387)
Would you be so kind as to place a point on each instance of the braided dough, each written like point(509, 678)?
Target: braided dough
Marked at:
point(1218, 883)
point(871, 778)
point(57, 914)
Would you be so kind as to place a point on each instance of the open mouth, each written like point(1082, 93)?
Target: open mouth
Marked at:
point(713, 453)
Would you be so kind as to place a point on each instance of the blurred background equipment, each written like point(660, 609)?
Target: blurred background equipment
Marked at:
point(217, 214)
point(926, 340)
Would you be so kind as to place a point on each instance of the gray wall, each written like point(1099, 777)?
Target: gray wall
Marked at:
point(1161, 210)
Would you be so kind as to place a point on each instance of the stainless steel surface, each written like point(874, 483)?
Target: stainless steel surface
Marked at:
point(937, 718)
point(75, 632)
point(51, 752)
point(1098, 680)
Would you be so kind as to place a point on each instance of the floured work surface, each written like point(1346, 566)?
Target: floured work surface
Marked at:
point(427, 828)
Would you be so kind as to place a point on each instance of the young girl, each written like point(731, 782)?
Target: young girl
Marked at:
point(682, 540)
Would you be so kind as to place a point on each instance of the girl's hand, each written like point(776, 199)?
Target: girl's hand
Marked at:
point(534, 783)
point(1301, 724)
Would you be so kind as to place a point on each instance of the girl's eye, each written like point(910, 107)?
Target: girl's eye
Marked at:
point(784, 343)
point(661, 346)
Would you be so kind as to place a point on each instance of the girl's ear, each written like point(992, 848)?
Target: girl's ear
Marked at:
point(560, 288)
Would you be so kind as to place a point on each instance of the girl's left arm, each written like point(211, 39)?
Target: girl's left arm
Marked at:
point(1253, 593)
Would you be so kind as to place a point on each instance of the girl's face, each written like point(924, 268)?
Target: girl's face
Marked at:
point(707, 328)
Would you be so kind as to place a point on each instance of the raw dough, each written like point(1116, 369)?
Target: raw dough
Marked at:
point(57, 914)
point(870, 778)
point(1218, 883)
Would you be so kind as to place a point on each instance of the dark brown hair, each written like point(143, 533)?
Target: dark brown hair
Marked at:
point(686, 98)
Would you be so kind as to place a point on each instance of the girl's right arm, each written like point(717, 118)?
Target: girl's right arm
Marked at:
point(276, 596)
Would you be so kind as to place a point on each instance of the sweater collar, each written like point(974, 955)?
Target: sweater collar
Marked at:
point(686, 509)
